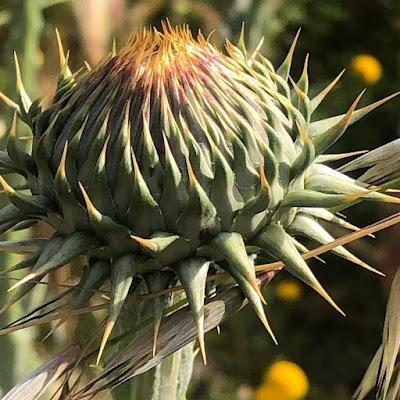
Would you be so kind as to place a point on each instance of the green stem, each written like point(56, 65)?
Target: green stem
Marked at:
point(169, 379)
point(26, 23)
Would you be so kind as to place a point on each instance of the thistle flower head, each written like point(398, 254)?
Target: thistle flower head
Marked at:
point(172, 161)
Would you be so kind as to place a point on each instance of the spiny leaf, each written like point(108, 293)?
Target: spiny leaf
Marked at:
point(224, 194)
point(277, 243)
point(9, 103)
point(72, 246)
point(22, 160)
point(172, 188)
point(35, 204)
point(312, 198)
point(12, 214)
point(29, 261)
point(284, 69)
point(307, 154)
point(303, 82)
point(144, 214)
point(176, 331)
point(46, 254)
point(64, 69)
point(100, 222)
point(72, 211)
point(317, 99)
point(323, 125)
point(253, 297)
point(249, 220)
point(326, 215)
point(157, 281)
point(326, 158)
point(306, 226)
point(245, 174)
point(323, 140)
point(199, 213)
point(124, 269)
point(193, 275)
point(24, 101)
point(233, 250)
point(157, 243)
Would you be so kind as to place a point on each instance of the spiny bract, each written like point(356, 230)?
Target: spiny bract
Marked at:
point(172, 160)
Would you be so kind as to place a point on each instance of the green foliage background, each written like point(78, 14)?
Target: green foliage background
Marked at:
point(334, 352)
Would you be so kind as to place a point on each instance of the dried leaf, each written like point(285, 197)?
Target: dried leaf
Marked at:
point(39, 380)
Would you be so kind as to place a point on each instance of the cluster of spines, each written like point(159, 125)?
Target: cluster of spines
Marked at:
point(215, 161)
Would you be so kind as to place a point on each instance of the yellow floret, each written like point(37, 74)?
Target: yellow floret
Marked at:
point(367, 67)
point(286, 379)
point(289, 290)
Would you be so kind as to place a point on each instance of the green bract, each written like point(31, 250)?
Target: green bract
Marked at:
point(171, 161)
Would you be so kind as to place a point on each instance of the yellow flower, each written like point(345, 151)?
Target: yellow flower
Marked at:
point(284, 380)
point(367, 68)
point(289, 290)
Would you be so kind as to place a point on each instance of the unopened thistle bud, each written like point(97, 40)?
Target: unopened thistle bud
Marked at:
point(172, 156)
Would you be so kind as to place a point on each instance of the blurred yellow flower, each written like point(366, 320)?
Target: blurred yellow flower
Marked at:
point(283, 380)
point(367, 68)
point(289, 290)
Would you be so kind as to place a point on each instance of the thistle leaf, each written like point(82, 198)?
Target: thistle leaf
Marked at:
point(172, 188)
point(277, 243)
point(149, 218)
point(307, 227)
point(157, 281)
point(71, 246)
point(35, 204)
point(323, 140)
point(312, 198)
point(73, 212)
point(176, 331)
point(199, 213)
point(317, 100)
point(284, 69)
point(124, 269)
point(193, 274)
point(23, 99)
point(233, 250)
point(326, 124)
point(224, 195)
point(22, 160)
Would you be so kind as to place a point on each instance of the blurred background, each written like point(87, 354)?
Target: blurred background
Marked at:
point(321, 355)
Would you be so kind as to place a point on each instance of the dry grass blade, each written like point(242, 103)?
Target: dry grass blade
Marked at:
point(383, 372)
point(34, 385)
point(176, 330)
point(373, 157)
point(22, 246)
point(391, 338)
point(370, 377)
